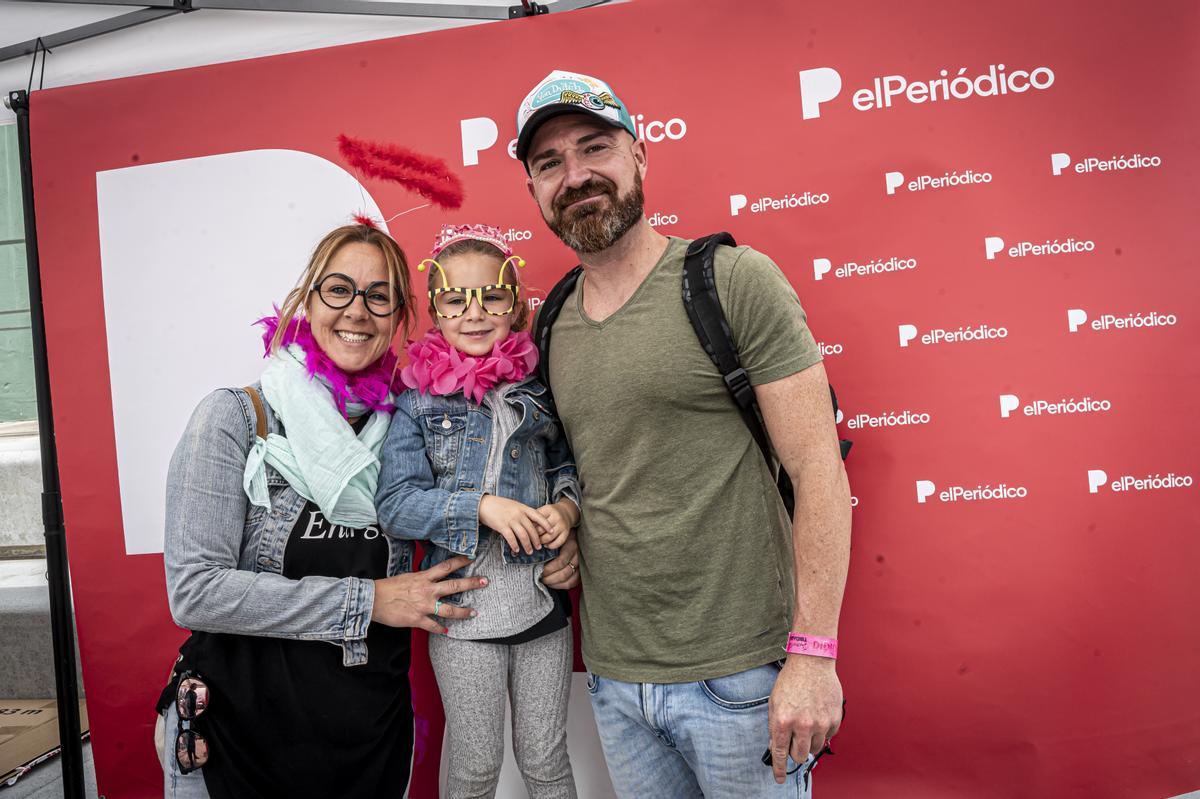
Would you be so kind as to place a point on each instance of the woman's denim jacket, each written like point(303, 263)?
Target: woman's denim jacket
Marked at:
point(434, 460)
point(224, 556)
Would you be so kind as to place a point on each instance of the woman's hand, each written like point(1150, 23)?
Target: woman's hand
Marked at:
point(408, 600)
point(563, 571)
point(517, 523)
point(562, 515)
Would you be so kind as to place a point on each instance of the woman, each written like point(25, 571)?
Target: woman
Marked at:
point(294, 681)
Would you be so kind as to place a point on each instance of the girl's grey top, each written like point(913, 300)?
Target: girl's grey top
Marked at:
point(515, 598)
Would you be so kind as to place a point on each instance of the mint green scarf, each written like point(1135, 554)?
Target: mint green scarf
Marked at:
point(321, 457)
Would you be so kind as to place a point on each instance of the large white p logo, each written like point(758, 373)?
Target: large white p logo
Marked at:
point(1008, 403)
point(907, 334)
point(821, 266)
point(818, 86)
point(478, 134)
point(925, 489)
point(1096, 478)
point(1059, 162)
point(736, 203)
point(992, 245)
point(1075, 318)
point(893, 181)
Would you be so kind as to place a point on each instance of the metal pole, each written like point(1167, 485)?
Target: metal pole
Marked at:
point(62, 621)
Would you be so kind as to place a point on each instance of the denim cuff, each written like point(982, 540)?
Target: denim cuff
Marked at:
point(462, 522)
point(359, 606)
point(360, 603)
point(566, 487)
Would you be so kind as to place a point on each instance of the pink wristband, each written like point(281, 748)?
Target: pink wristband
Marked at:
point(811, 645)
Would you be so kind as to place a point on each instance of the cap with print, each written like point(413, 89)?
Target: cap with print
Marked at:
point(568, 93)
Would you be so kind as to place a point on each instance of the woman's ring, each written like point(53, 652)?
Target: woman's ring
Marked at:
point(436, 605)
point(572, 565)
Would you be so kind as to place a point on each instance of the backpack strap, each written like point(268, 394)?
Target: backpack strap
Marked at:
point(260, 414)
point(547, 312)
point(704, 311)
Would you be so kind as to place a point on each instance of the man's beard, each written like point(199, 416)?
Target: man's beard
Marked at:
point(590, 229)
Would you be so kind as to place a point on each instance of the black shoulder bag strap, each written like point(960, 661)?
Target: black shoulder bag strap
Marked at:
point(547, 312)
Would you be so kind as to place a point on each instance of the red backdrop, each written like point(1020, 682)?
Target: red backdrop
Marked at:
point(1038, 644)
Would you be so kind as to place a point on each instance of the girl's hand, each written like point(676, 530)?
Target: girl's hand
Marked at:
point(408, 600)
point(563, 571)
point(562, 515)
point(517, 523)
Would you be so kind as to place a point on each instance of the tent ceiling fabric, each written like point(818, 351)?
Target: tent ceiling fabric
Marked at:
point(210, 35)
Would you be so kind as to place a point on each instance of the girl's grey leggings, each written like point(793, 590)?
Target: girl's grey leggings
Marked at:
point(475, 680)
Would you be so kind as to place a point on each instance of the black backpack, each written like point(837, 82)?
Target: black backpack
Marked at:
point(708, 320)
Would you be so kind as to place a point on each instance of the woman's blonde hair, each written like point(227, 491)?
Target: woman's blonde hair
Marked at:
point(520, 312)
point(394, 260)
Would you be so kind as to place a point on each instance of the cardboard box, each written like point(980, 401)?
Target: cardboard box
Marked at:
point(29, 733)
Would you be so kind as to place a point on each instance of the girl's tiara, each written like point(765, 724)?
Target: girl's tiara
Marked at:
point(452, 233)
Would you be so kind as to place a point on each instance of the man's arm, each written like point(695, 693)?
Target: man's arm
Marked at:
point(806, 705)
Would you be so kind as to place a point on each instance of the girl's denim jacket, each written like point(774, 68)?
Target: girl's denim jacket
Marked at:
point(434, 460)
point(224, 556)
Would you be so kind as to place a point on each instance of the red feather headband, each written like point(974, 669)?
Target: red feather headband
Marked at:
point(424, 174)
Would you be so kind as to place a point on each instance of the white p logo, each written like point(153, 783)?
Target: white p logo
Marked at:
point(907, 334)
point(893, 181)
point(478, 134)
point(818, 86)
point(992, 245)
point(736, 203)
point(1075, 318)
point(821, 266)
point(1096, 478)
point(925, 489)
point(839, 416)
point(1059, 162)
point(1008, 403)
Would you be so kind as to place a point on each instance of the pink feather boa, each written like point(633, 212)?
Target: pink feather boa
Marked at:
point(368, 388)
point(438, 368)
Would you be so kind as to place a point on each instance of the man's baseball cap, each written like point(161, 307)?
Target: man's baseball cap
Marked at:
point(568, 93)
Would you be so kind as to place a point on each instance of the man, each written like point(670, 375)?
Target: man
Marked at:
point(693, 575)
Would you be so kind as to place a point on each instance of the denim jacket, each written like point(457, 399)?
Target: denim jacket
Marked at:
point(434, 460)
point(224, 556)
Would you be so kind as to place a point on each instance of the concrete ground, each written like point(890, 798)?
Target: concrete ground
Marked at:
point(18, 580)
point(45, 780)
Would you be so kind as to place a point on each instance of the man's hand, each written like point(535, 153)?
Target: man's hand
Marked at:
point(563, 571)
point(805, 710)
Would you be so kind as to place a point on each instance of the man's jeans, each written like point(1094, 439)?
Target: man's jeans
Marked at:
point(695, 739)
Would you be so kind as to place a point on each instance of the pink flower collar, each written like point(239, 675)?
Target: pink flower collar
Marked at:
point(437, 368)
point(355, 393)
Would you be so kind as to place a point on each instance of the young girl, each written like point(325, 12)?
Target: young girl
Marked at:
point(476, 464)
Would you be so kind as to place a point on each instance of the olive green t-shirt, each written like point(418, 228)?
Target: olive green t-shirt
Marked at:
point(686, 548)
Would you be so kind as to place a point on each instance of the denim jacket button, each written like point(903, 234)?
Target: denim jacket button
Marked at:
point(446, 424)
point(536, 416)
point(515, 452)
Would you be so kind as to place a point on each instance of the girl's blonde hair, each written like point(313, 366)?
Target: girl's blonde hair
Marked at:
point(394, 260)
point(479, 247)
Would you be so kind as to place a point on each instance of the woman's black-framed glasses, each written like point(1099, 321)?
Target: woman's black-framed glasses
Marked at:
point(191, 699)
point(338, 291)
